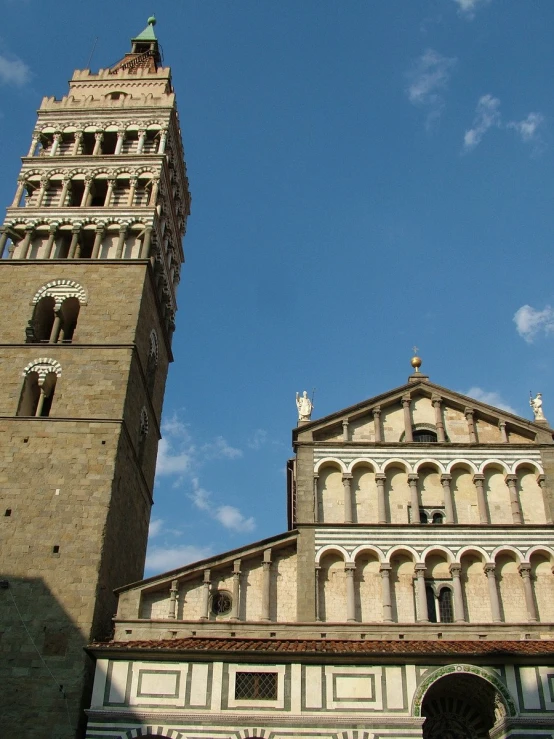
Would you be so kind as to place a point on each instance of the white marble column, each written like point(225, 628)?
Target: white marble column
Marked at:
point(205, 596)
point(141, 140)
point(163, 141)
point(119, 142)
point(448, 503)
point(86, 192)
point(132, 188)
point(385, 571)
point(50, 243)
point(235, 605)
point(34, 144)
point(414, 499)
point(493, 592)
point(469, 414)
point(56, 144)
point(455, 571)
point(65, 189)
point(437, 400)
point(266, 585)
point(3, 241)
point(406, 403)
point(26, 242)
point(511, 482)
point(525, 572)
point(154, 192)
point(173, 598)
point(422, 615)
point(41, 191)
point(345, 430)
point(99, 235)
point(19, 192)
point(316, 502)
point(541, 481)
point(77, 145)
point(380, 479)
point(377, 424)
point(75, 231)
point(346, 481)
point(98, 138)
point(121, 240)
point(317, 593)
point(479, 482)
point(350, 594)
point(145, 245)
point(109, 192)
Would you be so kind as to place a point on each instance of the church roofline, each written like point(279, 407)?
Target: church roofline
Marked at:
point(409, 387)
point(310, 649)
point(205, 563)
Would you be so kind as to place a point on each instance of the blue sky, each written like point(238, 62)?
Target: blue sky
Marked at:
point(366, 176)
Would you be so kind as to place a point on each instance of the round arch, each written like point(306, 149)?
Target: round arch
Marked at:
point(494, 463)
point(363, 462)
point(528, 463)
point(363, 548)
point(402, 548)
point(491, 678)
point(427, 461)
point(437, 548)
point(539, 549)
point(461, 463)
point(397, 462)
point(332, 548)
point(331, 462)
point(507, 548)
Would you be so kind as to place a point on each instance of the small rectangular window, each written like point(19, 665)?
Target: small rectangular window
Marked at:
point(260, 686)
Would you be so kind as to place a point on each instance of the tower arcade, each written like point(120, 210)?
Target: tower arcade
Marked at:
point(91, 258)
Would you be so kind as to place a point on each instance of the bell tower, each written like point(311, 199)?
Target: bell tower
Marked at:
point(91, 256)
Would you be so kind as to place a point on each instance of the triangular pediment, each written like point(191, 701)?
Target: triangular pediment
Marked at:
point(358, 423)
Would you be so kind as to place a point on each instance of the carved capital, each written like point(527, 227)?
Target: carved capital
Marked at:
point(478, 479)
point(445, 479)
point(385, 569)
point(511, 480)
point(524, 570)
point(541, 479)
point(377, 410)
point(406, 400)
point(413, 477)
point(469, 413)
point(99, 135)
point(420, 570)
point(380, 477)
point(347, 476)
point(455, 569)
point(436, 400)
point(489, 569)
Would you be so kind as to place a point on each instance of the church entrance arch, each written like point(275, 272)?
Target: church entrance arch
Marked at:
point(461, 702)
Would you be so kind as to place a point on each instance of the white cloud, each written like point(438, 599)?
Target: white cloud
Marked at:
point(528, 127)
point(487, 115)
point(467, 8)
point(161, 559)
point(429, 77)
point(530, 322)
point(490, 397)
point(258, 439)
point(233, 519)
point(155, 528)
point(219, 448)
point(228, 516)
point(13, 71)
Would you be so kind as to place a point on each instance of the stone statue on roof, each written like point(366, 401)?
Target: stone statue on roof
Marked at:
point(304, 405)
point(536, 405)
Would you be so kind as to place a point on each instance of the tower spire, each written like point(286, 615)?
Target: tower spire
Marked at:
point(145, 51)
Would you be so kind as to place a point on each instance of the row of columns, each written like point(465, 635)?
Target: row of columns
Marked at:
point(236, 591)
point(87, 194)
point(74, 247)
point(380, 478)
point(436, 400)
point(421, 595)
point(99, 137)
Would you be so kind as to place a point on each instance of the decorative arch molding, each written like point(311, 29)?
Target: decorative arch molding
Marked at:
point(429, 461)
point(462, 462)
point(497, 684)
point(472, 549)
point(506, 548)
point(539, 549)
point(43, 366)
point(368, 548)
point(530, 463)
point(363, 462)
point(330, 462)
point(494, 463)
point(397, 462)
point(328, 548)
point(402, 548)
point(437, 548)
point(155, 731)
point(60, 290)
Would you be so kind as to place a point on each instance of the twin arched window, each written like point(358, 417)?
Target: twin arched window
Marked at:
point(55, 314)
point(39, 384)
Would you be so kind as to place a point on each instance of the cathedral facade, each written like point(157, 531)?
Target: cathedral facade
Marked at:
point(413, 594)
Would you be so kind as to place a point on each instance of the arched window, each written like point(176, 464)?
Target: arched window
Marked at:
point(57, 307)
point(438, 518)
point(152, 361)
point(424, 436)
point(40, 326)
point(38, 388)
point(431, 610)
point(445, 606)
point(423, 517)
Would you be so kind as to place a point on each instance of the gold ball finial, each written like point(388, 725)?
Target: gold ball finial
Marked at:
point(415, 360)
